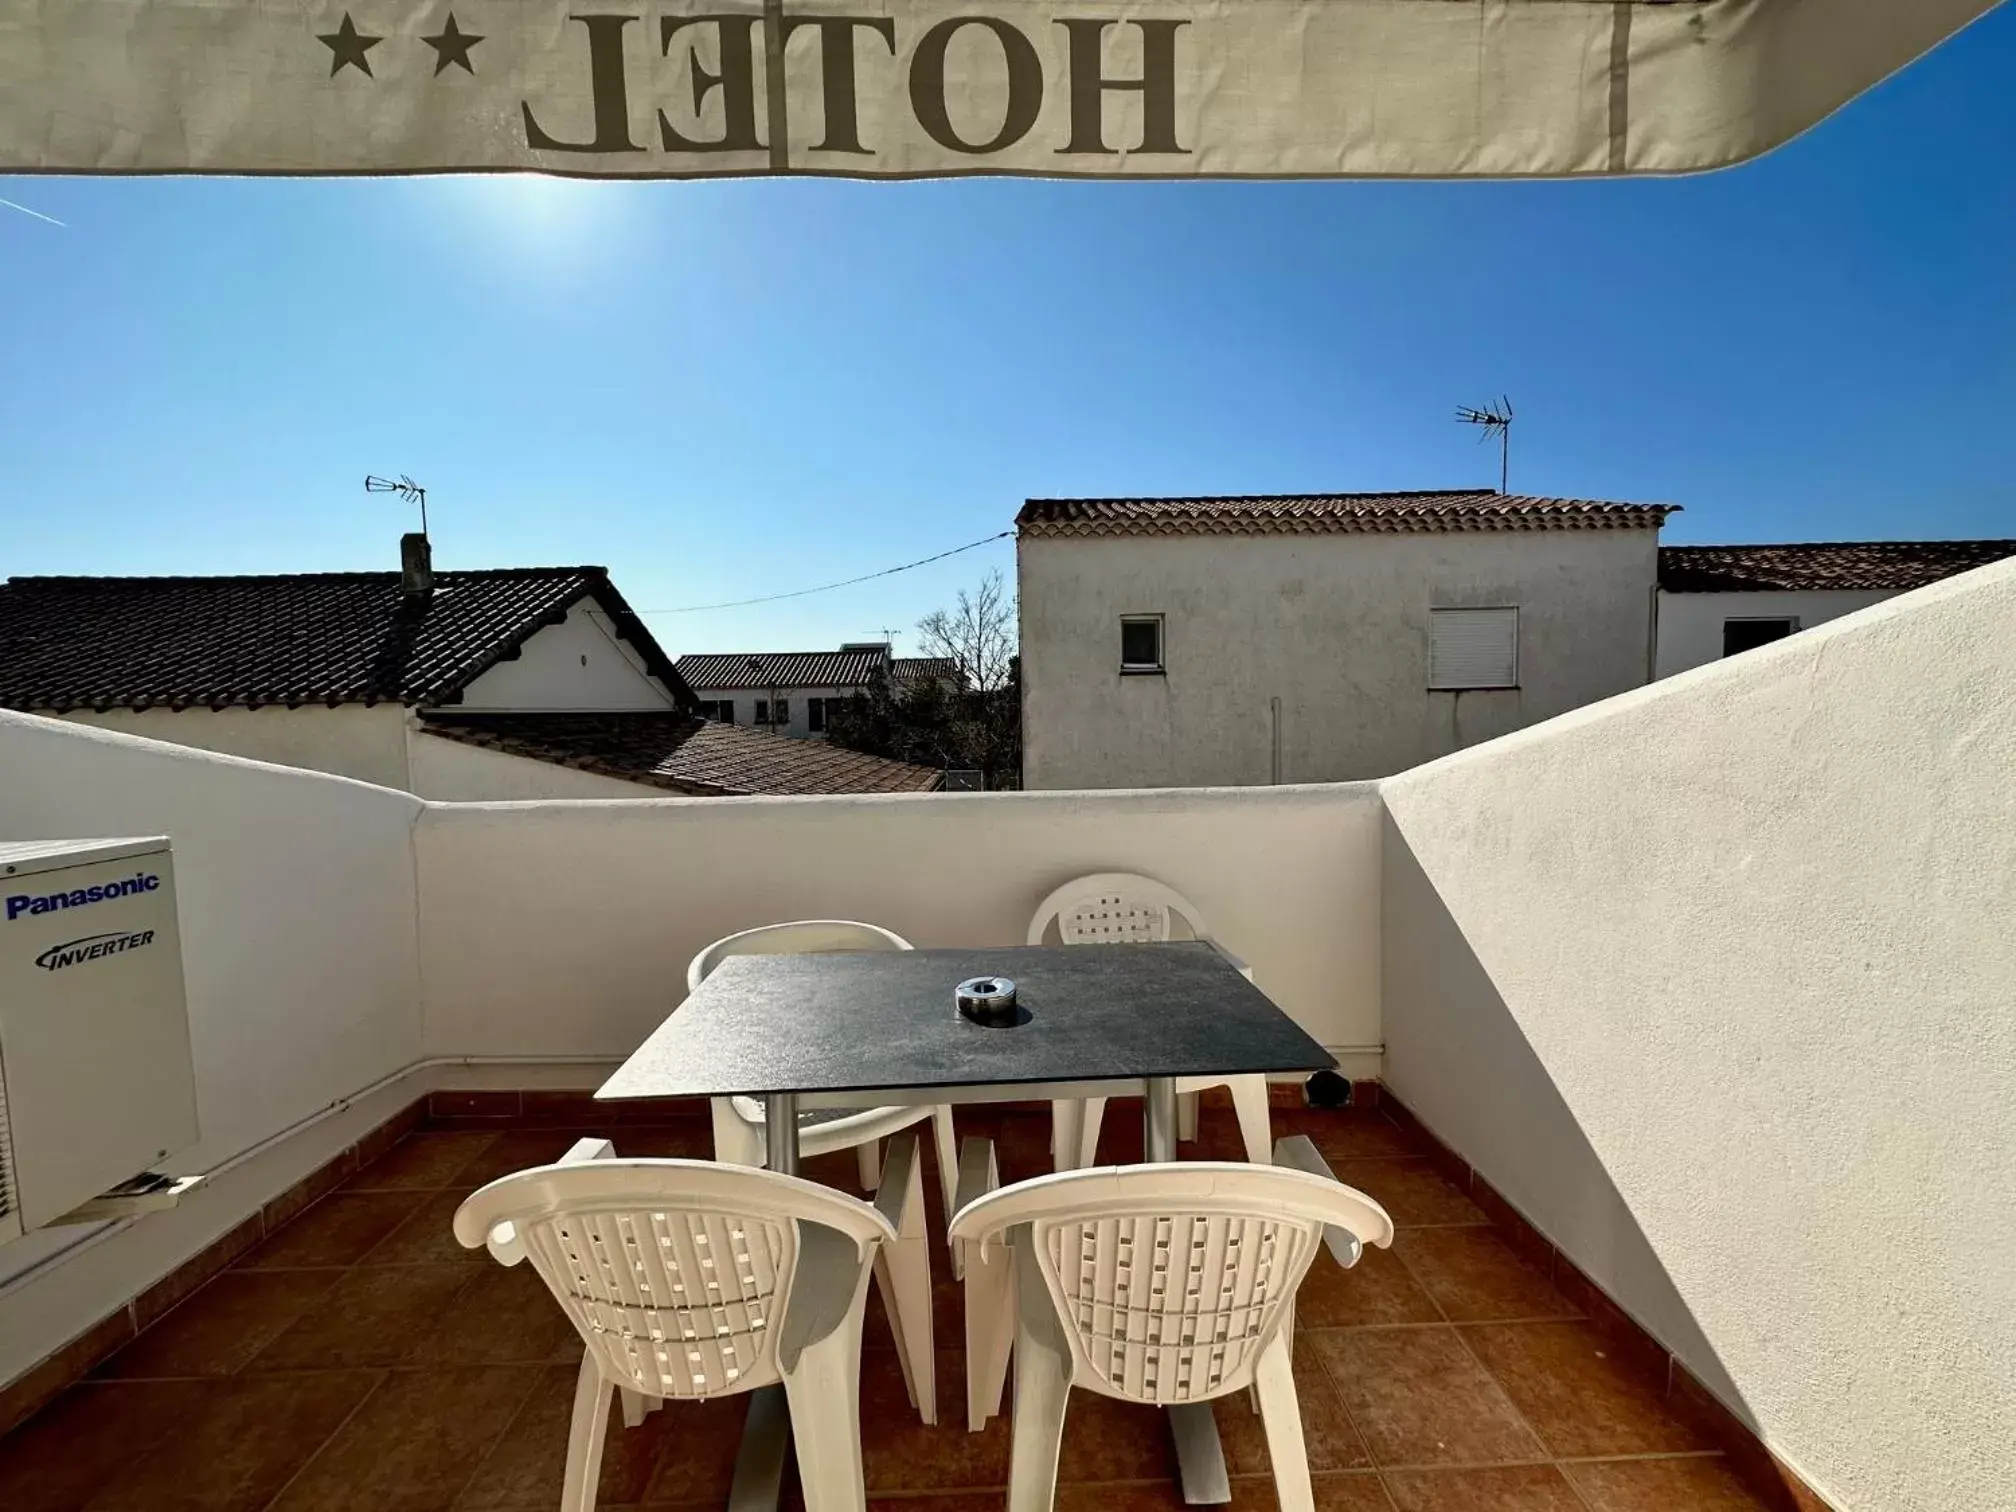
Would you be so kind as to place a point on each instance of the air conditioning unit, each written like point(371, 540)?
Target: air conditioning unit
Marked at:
point(96, 1080)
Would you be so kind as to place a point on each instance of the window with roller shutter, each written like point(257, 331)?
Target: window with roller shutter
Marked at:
point(1473, 648)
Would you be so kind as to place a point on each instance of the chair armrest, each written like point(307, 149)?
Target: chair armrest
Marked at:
point(587, 1149)
point(1232, 960)
point(1298, 1152)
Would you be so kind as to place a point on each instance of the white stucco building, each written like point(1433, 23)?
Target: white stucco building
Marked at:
point(1717, 601)
point(793, 692)
point(495, 684)
point(1235, 641)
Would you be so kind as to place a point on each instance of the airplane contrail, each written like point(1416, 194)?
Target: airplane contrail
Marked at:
point(36, 213)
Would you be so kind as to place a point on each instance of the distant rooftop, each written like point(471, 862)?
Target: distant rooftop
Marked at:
point(1850, 565)
point(70, 643)
point(728, 671)
point(684, 754)
point(1328, 514)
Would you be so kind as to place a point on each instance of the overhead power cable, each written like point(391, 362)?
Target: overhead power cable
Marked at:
point(829, 587)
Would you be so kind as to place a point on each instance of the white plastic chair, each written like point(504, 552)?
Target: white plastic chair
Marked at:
point(1119, 908)
point(738, 1121)
point(1160, 1284)
point(689, 1279)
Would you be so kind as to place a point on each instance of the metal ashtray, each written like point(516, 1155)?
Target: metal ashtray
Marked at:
point(988, 1001)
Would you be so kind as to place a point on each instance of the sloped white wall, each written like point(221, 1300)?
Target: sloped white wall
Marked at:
point(575, 665)
point(1716, 981)
point(295, 892)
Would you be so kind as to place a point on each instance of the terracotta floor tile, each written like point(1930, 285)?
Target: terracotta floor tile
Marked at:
point(427, 1236)
point(1419, 1397)
point(518, 1150)
point(501, 1316)
point(1477, 1277)
point(686, 1141)
point(334, 1232)
point(967, 1501)
point(374, 1316)
point(1661, 1485)
point(1579, 1397)
point(413, 1445)
point(247, 1442)
point(1109, 1440)
point(423, 1162)
point(219, 1329)
point(1329, 1438)
point(899, 1453)
point(524, 1472)
point(1359, 1492)
point(1412, 1191)
point(1250, 1493)
point(1523, 1488)
point(1378, 1289)
point(1350, 1135)
point(77, 1445)
point(697, 1460)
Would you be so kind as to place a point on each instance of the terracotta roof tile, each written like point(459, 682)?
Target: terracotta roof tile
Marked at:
point(305, 638)
point(1328, 514)
point(1821, 565)
point(684, 754)
point(728, 671)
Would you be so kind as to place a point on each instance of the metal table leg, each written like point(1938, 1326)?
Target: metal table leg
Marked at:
point(1200, 1459)
point(766, 1432)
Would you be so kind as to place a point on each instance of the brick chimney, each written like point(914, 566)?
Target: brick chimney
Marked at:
point(416, 566)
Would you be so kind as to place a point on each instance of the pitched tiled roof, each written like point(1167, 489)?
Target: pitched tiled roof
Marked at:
point(729, 671)
point(910, 669)
point(1328, 514)
point(684, 754)
point(1822, 564)
point(329, 638)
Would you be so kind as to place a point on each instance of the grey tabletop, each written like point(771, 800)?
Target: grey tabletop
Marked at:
point(850, 1021)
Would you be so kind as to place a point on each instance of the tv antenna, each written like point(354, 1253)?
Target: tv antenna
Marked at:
point(1496, 421)
point(406, 488)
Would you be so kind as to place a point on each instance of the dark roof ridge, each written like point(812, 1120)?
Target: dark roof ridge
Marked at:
point(360, 575)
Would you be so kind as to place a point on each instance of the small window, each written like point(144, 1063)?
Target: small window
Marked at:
point(783, 711)
point(1141, 643)
point(815, 715)
point(723, 710)
point(1473, 648)
point(1748, 634)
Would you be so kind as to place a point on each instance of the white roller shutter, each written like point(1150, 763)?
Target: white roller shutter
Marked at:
point(1473, 648)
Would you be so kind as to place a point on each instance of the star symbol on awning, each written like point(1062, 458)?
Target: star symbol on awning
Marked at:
point(451, 45)
point(349, 46)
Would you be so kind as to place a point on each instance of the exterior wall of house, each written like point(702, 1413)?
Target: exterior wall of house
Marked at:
point(1713, 982)
point(295, 895)
point(800, 726)
point(565, 929)
point(452, 772)
point(1690, 624)
point(1336, 627)
point(348, 741)
point(577, 665)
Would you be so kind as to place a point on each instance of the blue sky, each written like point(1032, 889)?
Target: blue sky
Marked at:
point(725, 389)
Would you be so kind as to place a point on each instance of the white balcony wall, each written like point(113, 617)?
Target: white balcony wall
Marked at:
point(296, 899)
point(564, 929)
point(1715, 982)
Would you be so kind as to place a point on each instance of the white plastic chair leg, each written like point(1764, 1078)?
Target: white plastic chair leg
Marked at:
point(903, 1276)
point(1256, 1127)
point(584, 1438)
point(1042, 1395)
point(868, 1164)
point(989, 1293)
point(1281, 1418)
point(945, 1142)
point(634, 1406)
point(824, 1390)
point(1067, 1133)
point(1088, 1132)
point(1186, 1117)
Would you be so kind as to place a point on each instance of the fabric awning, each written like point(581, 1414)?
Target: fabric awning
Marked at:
point(904, 88)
